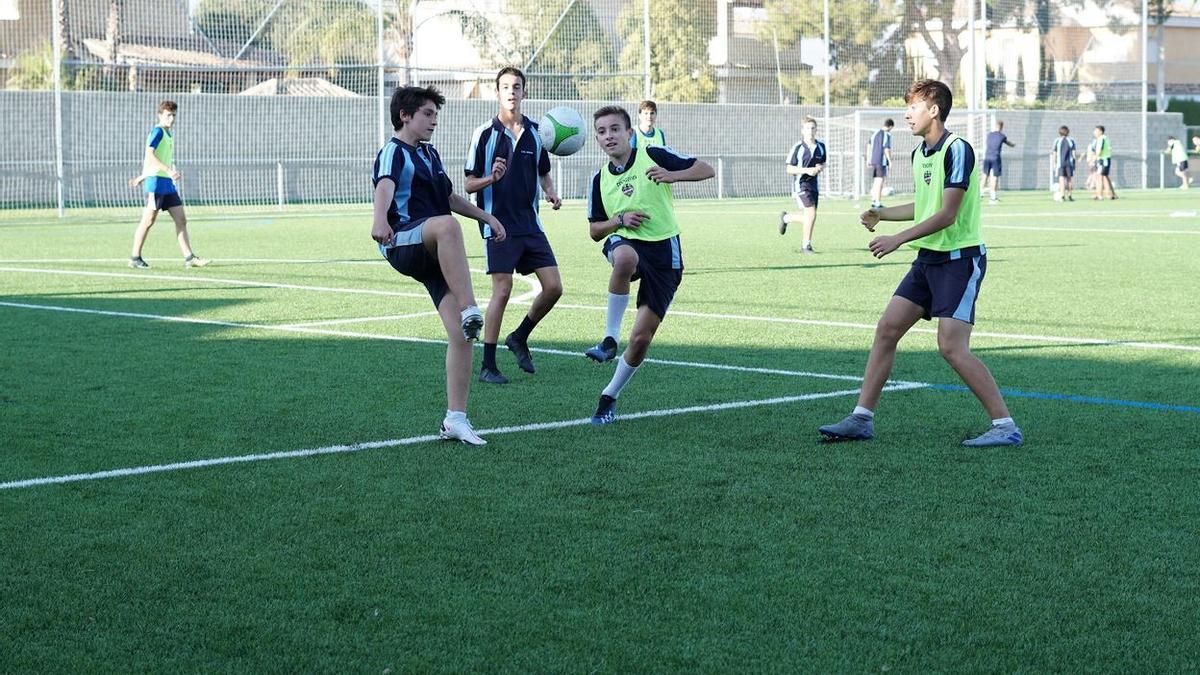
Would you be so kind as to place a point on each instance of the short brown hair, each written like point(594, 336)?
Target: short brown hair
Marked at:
point(933, 93)
point(807, 119)
point(169, 106)
point(510, 70)
point(613, 110)
point(408, 100)
point(1063, 130)
point(648, 105)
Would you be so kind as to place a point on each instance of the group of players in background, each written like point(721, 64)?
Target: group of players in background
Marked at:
point(630, 210)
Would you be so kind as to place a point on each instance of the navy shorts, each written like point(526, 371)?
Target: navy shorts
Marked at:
point(523, 253)
point(408, 256)
point(660, 269)
point(162, 202)
point(1104, 165)
point(1066, 172)
point(878, 171)
point(1182, 166)
point(807, 199)
point(991, 167)
point(945, 289)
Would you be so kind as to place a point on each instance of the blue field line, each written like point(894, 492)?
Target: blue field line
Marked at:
point(1095, 400)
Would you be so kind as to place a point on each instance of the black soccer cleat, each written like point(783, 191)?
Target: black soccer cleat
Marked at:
point(520, 350)
point(606, 411)
point(492, 376)
point(603, 352)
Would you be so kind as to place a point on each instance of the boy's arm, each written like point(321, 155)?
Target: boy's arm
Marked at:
point(1009, 143)
point(696, 172)
point(381, 231)
point(548, 189)
point(157, 164)
point(466, 208)
point(951, 201)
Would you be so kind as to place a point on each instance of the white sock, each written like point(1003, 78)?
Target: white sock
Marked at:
point(864, 412)
point(1002, 421)
point(620, 378)
point(616, 312)
point(456, 415)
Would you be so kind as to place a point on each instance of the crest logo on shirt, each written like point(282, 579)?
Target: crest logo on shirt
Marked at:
point(928, 176)
point(627, 189)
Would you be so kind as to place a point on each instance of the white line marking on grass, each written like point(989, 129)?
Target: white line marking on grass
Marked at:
point(361, 319)
point(213, 280)
point(412, 440)
point(1184, 214)
point(1110, 230)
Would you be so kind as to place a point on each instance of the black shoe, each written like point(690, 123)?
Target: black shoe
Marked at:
point(521, 351)
point(606, 411)
point(492, 376)
point(139, 264)
point(605, 351)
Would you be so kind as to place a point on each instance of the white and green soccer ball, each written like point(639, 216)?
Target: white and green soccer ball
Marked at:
point(562, 131)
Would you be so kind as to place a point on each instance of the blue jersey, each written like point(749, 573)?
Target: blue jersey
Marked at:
point(1064, 151)
point(160, 185)
point(881, 140)
point(995, 144)
point(422, 187)
point(803, 156)
point(514, 199)
point(958, 164)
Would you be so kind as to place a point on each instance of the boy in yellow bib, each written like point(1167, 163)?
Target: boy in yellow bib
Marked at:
point(944, 279)
point(630, 209)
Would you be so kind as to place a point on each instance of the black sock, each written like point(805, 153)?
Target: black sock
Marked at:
point(522, 332)
point(489, 356)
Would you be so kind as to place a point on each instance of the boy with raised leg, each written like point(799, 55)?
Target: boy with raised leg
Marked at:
point(420, 239)
point(944, 280)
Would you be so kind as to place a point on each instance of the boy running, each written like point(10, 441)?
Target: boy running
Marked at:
point(879, 158)
point(420, 239)
point(630, 208)
point(806, 161)
point(944, 279)
point(1062, 160)
point(507, 170)
point(158, 179)
point(648, 134)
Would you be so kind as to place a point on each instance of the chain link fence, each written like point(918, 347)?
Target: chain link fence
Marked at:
point(284, 101)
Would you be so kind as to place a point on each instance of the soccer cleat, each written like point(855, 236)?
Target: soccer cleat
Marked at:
point(138, 264)
point(807, 250)
point(605, 351)
point(194, 260)
point(472, 323)
point(492, 376)
point(852, 428)
point(520, 350)
point(1005, 434)
point(460, 430)
point(993, 201)
point(606, 411)
point(783, 222)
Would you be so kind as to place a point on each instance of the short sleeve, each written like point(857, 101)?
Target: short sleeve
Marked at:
point(155, 137)
point(595, 206)
point(794, 156)
point(819, 155)
point(959, 164)
point(544, 162)
point(388, 164)
point(669, 159)
point(475, 154)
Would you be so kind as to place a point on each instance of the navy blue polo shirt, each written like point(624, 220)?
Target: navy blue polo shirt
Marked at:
point(880, 140)
point(805, 157)
point(1064, 150)
point(995, 144)
point(514, 199)
point(422, 187)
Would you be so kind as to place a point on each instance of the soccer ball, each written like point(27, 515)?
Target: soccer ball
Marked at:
point(562, 131)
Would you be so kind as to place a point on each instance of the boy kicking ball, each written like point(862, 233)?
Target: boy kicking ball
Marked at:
point(944, 280)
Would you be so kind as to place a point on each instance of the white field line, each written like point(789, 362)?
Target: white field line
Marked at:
point(522, 299)
point(363, 319)
point(1112, 230)
point(412, 440)
point(400, 338)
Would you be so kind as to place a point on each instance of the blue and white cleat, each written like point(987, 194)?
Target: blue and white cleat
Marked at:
point(1004, 434)
point(603, 352)
point(606, 411)
point(853, 428)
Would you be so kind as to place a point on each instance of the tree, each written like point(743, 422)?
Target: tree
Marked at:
point(679, 35)
point(864, 58)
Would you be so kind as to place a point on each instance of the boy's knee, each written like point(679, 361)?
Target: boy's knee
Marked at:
point(501, 286)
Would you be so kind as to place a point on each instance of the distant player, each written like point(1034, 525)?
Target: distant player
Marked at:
point(1179, 158)
point(158, 179)
point(508, 170)
point(631, 210)
point(944, 280)
point(648, 133)
point(1196, 144)
point(420, 239)
point(1103, 151)
point(879, 158)
point(993, 168)
point(1062, 160)
point(806, 161)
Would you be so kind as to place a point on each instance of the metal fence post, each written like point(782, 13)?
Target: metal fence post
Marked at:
point(279, 183)
point(58, 123)
point(858, 161)
point(720, 177)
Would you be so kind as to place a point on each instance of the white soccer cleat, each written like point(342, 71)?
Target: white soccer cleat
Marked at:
point(460, 430)
point(472, 323)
